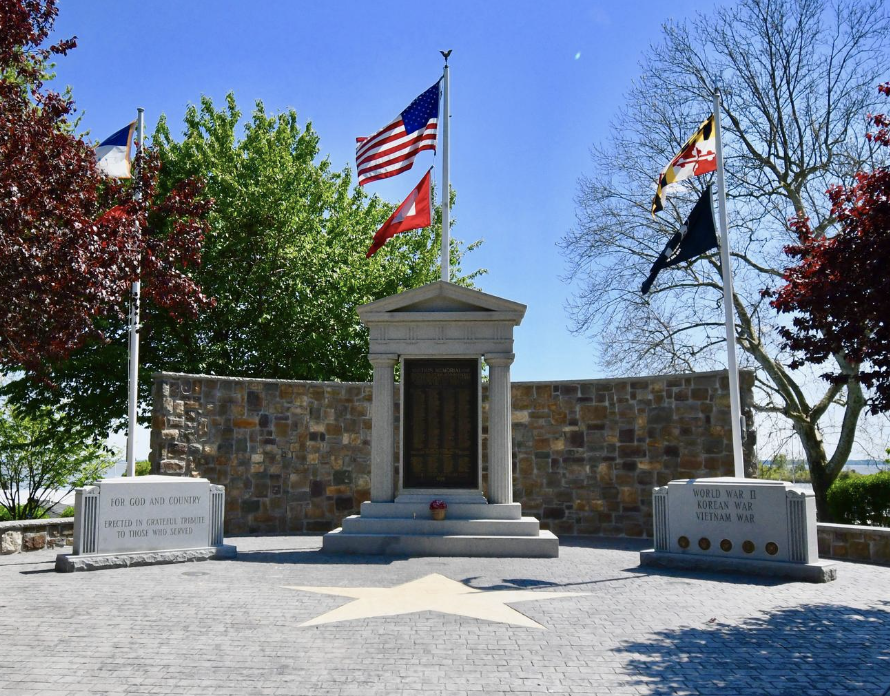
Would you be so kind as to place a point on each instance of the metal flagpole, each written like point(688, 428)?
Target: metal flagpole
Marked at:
point(134, 326)
point(732, 365)
point(446, 186)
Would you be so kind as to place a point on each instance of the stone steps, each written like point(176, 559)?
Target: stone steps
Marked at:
point(470, 528)
point(405, 528)
point(545, 545)
point(525, 526)
point(456, 511)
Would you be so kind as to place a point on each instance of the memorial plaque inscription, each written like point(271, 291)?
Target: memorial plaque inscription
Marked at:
point(153, 513)
point(440, 441)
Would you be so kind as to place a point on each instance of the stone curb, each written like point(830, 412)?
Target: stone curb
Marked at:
point(27, 525)
point(69, 563)
point(821, 571)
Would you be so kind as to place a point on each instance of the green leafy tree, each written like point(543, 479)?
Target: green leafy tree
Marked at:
point(43, 457)
point(283, 259)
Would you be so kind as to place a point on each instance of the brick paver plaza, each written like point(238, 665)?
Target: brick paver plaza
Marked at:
point(233, 627)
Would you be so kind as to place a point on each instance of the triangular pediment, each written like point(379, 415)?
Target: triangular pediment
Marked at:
point(440, 297)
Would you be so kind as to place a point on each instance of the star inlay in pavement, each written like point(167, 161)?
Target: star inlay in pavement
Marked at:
point(431, 593)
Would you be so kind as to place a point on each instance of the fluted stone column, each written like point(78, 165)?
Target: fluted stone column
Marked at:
point(381, 429)
point(500, 428)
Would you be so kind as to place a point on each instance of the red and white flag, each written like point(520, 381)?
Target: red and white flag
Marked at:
point(392, 149)
point(413, 214)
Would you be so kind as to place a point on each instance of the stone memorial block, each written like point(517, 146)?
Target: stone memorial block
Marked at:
point(764, 527)
point(120, 518)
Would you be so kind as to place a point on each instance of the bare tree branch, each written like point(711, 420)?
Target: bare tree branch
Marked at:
point(798, 78)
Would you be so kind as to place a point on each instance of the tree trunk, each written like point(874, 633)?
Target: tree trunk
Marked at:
point(821, 483)
point(824, 473)
point(817, 462)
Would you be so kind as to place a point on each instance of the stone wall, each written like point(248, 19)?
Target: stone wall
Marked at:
point(33, 535)
point(847, 542)
point(295, 456)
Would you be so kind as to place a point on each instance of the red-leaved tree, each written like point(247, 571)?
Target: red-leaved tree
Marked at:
point(71, 241)
point(840, 288)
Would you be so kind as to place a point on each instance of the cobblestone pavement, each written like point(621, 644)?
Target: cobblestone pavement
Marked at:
point(231, 627)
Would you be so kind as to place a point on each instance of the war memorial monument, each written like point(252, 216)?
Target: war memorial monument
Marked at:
point(438, 335)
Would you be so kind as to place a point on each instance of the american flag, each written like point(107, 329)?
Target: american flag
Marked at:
point(392, 149)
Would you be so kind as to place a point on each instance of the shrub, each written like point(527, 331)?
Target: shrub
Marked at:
point(861, 500)
point(143, 468)
point(22, 514)
point(848, 474)
point(68, 511)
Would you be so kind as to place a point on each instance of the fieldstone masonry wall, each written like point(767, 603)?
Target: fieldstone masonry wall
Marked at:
point(34, 535)
point(854, 543)
point(295, 456)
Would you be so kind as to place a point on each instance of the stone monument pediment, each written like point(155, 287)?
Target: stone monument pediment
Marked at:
point(451, 302)
point(441, 319)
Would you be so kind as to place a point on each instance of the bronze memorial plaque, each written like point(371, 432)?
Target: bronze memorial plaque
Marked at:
point(440, 441)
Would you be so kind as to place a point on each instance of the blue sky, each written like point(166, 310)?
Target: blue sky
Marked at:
point(534, 85)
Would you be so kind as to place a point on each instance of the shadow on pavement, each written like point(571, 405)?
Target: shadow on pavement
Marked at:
point(606, 543)
point(812, 649)
point(531, 584)
point(310, 557)
point(728, 578)
point(636, 545)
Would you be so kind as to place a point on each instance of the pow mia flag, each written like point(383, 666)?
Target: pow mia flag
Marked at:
point(697, 236)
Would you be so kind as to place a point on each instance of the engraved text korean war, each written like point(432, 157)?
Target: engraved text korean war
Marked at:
point(722, 504)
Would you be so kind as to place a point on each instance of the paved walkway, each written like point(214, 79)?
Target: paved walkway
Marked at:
point(234, 627)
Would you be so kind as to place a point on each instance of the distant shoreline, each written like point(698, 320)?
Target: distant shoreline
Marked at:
point(866, 467)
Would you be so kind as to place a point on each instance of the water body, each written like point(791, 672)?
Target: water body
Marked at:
point(862, 466)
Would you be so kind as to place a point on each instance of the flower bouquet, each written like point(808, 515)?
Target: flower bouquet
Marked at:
point(438, 508)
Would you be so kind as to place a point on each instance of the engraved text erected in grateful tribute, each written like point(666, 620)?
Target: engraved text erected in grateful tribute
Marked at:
point(441, 424)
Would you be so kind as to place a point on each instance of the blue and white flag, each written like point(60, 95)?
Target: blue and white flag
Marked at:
point(113, 153)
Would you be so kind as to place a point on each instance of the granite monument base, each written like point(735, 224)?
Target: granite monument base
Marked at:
point(405, 528)
point(820, 571)
point(70, 563)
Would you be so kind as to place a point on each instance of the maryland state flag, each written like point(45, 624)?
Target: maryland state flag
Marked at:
point(697, 236)
point(698, 156)
point(413, 214)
